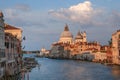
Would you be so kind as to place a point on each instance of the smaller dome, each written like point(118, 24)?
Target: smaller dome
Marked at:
point(79, 35)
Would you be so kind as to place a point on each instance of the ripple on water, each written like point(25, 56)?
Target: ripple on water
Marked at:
point(52, 69)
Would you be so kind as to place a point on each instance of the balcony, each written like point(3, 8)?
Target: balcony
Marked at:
point(11, 61)
point(2, 59)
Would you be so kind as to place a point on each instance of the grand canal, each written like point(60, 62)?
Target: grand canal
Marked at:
point(52, 69)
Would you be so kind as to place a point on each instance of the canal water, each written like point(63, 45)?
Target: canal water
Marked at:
point(52, 69)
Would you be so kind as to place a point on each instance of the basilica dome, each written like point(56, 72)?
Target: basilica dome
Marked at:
point(66, 33)
point(79, 36)
point(66, 36)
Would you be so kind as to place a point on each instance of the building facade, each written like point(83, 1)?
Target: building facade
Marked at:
point(80, 37)
point(57, 51)
point(2, 47)
point(12, 56)
point(15, 31)
point(116, 47)
point(100, 57)
point(13, 50)
point(77, 45)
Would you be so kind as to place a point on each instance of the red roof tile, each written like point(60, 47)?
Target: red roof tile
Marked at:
point(9, 27)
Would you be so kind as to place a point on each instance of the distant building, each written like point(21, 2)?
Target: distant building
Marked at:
point(66, 36)
point(93, 46)
point(105, 48)
point(43, 52)
point(87, 56)
point(80, 37)
point(77, 45)
point(109, 55)
point(116, 47)
point(57, 51)
point(100, 56)
point(2, 47)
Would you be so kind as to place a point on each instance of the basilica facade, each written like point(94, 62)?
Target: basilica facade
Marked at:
point(77, 44)
point(67, 37)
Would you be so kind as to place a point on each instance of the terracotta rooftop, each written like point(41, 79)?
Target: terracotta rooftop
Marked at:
point(9, 27)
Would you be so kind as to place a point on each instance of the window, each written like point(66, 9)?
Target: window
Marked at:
point(119, 44)
point(7, 44)
point(119, 52)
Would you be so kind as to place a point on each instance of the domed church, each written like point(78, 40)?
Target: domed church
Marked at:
point(67, 37)
point(77, 44)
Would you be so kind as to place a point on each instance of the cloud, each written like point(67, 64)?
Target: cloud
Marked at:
point(99, 22)
point(115, 18)
point(81, 13)
point(16, 11)
point(18, 17)
point(23, 7)
point(41, 27)
point(36, 26)
point(10, 13)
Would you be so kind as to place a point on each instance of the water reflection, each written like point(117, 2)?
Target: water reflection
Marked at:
point(116, 71)
point(51, 69)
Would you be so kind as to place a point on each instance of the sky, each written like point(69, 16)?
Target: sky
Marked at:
point(42, 21)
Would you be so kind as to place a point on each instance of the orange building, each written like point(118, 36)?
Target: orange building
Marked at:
point(17, 32)
point(116, 47)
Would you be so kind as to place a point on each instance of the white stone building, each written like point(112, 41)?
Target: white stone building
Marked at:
point(66, 36)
